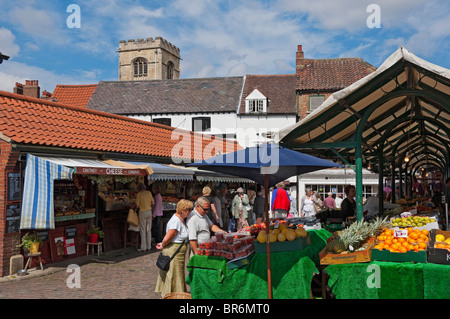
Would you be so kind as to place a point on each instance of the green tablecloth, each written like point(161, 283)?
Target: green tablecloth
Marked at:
point(292, 272)
point(389, 280)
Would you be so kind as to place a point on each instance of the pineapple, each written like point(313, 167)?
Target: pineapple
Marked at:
point(356, 235)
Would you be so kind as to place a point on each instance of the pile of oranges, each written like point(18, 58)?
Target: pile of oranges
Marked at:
point(416, 240)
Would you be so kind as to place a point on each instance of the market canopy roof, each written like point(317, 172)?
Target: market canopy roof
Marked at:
point(403, 107)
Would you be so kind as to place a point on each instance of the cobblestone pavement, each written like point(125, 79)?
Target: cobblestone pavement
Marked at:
point(121, 274)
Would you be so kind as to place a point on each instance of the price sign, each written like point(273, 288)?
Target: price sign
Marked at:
point(400, 233)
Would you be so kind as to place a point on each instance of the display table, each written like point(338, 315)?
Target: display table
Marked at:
point(292, 272)
point(396, 280)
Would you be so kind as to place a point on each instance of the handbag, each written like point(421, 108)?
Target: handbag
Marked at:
point(163, 261)
point(133, 218)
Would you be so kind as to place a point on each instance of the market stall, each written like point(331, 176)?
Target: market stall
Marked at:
point(294, 263)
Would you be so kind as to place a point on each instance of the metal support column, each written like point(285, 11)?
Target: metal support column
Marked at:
point(359, 184)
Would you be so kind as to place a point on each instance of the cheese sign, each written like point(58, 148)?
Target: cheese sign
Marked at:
point(400, 233)
point(109, 171)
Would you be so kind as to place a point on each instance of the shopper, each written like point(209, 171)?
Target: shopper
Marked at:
point(212, 212)
point(329, 202)
point(145, 201)
point(199, 225)
point(157, 212)
point(281, 203)
point(348, 206)
point(239, 209)
point(259, 207)
point(173, 280)
point(222, 195)
point(338, 201)
point(307, 204)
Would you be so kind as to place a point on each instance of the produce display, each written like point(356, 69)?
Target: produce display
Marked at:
point(412, 221)
point(414, 240)
point(282, 233)
point(355, 237)
point(229, 246)
point(442, 242)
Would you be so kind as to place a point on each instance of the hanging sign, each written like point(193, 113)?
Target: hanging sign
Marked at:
point(109, 171)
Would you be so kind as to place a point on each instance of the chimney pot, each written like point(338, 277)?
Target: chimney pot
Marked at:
point(299, 47)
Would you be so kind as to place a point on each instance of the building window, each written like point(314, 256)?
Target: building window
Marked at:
point(170, 68)
point(315, 101)
point(201, 124)
point(140, 67)
point(256, 102)
point(256, 106)
point(164, 121)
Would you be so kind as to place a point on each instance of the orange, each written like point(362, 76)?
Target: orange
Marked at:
point(416, 248)
point(414, 235)
point(420, 240)
point(411, 247)
point(424, 237)
point(388, 241)
point(417, 230)
point(405, 244)
point(422, 245)
point(395, 241)
point(402, 249)
point(395, 246)
point(401, 240)
point(424, 232)
point(440, 246)
point(410, 230)
point(381, 238)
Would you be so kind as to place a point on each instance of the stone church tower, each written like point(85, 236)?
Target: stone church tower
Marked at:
point(149, 59)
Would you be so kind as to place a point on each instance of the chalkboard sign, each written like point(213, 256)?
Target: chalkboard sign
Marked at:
point(43, 235)
point(12, 218)
point(13, 187)
point(71, 232)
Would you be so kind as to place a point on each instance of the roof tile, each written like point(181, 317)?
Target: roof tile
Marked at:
point(75, 95)
point(43, 122)
point(331, 74)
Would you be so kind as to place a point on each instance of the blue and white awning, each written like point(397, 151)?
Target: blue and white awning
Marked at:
point(37, 201)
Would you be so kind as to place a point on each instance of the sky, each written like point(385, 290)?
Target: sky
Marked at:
point(217, 38)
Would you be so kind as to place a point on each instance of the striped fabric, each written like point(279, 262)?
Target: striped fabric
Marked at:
point(37, 201)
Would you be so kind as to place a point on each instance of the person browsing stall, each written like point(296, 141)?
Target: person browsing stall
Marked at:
point(177, 234)
point(145, 201)
point(199, 225)
point(348, 206)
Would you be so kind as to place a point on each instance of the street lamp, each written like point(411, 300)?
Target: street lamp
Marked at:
point(3, 57)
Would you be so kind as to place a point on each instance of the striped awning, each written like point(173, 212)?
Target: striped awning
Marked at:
point(37, 202)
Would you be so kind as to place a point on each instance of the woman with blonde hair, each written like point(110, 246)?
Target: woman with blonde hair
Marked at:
point(173, 280)
point(212, 213)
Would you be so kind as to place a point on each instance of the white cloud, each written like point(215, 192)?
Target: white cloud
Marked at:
point(7, 43)
point(13, 72)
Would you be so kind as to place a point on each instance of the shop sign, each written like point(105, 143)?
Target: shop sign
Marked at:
point(109, 171)
point(71, 232)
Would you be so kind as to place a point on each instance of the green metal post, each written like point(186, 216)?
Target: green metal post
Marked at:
point(359, 184)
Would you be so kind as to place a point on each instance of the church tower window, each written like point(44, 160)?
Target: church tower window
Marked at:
point(140, 67)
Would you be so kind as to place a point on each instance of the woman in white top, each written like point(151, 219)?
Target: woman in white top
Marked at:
point(173, 280)
point(307, 204)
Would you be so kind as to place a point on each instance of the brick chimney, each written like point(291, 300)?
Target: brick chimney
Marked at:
point(18, 89)
point(32, 88)
point(300, 58)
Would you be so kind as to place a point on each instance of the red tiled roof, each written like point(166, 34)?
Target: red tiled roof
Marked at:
point(278, 88)
point(331, 74)
point(75, 95)
point(40, 122)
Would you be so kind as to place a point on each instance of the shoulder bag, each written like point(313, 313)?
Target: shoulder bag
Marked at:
point(163, 261)
point(133, 218)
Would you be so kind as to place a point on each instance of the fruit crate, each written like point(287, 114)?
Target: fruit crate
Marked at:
point(277, 247)
point(362, 256)
point(438, 255)
point(410, 256)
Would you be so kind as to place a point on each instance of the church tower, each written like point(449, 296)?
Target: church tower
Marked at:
point(149, 59)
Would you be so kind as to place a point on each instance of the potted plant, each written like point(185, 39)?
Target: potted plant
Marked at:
point(94, 234)
point(31, 242)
